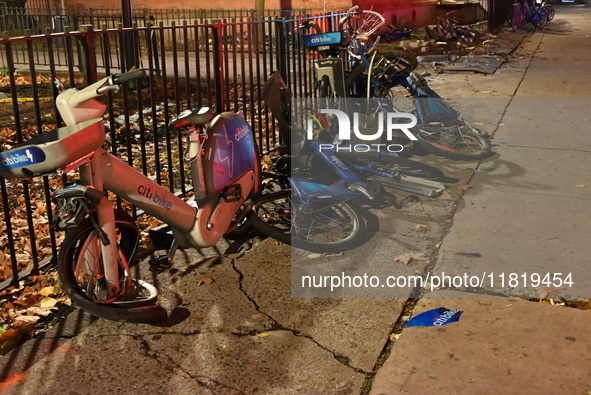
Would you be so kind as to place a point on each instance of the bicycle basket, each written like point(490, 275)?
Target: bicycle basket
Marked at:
point(48, 152)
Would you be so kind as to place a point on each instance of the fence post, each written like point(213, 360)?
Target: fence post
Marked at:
point(281, 29)
point(87, 57)
point(18, 129)
point(154, 42)
point(218, 65)
point(492, 15)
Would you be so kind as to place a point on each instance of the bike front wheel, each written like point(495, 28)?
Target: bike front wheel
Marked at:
point(81, 271)
point(332, 228)
point(456, 144)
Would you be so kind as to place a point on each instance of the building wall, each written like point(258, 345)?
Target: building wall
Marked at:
point(403, 13)
point(331, 5)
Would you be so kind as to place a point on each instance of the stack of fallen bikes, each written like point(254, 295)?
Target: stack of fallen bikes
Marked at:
point(310, 201)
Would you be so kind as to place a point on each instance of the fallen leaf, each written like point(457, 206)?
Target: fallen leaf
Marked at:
point(411, 257)
point(47, 291)
point(48, 302)
point(394, 336)
point(579, 185)
point(25, 320)
point(40, 311)
point(463, 187)
point(422, 228)
point(264, 334)
point(8, 340)
point(478, 123)
point(204, 281)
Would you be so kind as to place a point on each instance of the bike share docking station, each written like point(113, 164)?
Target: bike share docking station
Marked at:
point(329, 68)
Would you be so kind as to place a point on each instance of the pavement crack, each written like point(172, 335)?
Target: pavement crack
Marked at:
point(397, 328)
point(250, 299)
point(167, 362)
point(504, 112)
point(277, 326)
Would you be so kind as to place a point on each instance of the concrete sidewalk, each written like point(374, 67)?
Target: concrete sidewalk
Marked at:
point(526, 211)
point(528, 216)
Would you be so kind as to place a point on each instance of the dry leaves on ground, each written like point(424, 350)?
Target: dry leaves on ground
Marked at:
point(27, 309)
point(412, 257)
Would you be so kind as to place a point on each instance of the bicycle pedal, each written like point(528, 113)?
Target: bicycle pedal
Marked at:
point(160, 263)
point(232, 193)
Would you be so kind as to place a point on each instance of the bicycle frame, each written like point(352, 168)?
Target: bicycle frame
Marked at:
point(224, 165)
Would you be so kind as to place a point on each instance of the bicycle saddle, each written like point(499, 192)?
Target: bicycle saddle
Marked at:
point(197, 116)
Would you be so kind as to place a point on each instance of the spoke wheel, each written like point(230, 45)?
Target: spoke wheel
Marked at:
point(454, 144)
point(81, 270)
point(332, 228)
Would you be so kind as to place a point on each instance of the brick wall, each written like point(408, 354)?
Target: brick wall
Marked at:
point(331, 5)
point(407, 13)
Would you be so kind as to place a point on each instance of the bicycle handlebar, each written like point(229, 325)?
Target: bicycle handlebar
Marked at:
point(129, 76)
point(111, 82)
point(310, 25)
point(346, 17)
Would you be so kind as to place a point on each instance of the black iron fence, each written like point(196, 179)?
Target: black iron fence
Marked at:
point(37, 18)
point(221, 65)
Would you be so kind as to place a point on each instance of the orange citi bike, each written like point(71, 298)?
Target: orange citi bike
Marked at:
point(95, 258)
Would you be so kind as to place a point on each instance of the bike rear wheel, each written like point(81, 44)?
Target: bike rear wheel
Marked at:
point(550, 11)
point(400, 61)
point(332, 228)
point(81, 271)
point(540, 19)
point(458, 144)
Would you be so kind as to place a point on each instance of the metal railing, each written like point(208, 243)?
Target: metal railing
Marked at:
point(221, 65)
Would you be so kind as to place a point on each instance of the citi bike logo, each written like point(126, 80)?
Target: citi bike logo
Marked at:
point(321, 39)
point(17, 159)
point(148, 192)
point(386, 122)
